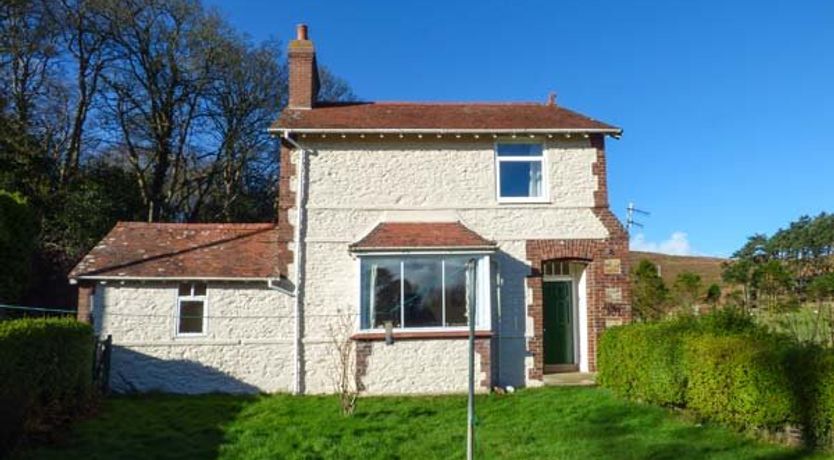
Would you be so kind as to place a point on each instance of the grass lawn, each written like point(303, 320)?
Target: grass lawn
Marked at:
point(538, 423)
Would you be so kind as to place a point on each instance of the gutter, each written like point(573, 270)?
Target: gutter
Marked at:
point(298, 260)
point(286, 131)
point(169, 278)
point(426, 250)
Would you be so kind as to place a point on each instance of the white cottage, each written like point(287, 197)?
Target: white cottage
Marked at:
point(389, 217)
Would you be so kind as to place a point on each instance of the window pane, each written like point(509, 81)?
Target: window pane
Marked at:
point(380, 292)
point(423, 292)
point(521, 178)
point(199, 288)
point(519, 150)
point(456, 291)
point(185, 290)
point(191, 316)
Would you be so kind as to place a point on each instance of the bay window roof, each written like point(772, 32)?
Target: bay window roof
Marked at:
point(422, 235)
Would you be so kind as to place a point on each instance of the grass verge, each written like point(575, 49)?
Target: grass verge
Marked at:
point(535, 423)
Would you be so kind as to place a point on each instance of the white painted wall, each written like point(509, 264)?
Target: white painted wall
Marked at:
point(355, 185)
point(352, 187)
point(247, 345)
point(425, 366)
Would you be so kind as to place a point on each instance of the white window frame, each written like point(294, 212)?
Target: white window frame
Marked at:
point(483, 298)
point(191, 297)
point(545, 196)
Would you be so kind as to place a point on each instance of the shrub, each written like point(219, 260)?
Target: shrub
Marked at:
point(726, 368)
point(740, 380)
point(728, 321)
point(18, 229)
point(45, 373)
point(812, 372)
point(643, 362)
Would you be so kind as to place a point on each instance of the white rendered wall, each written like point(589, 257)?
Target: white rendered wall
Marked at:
point(354, 185)
point(424, 366)
point(246, 348)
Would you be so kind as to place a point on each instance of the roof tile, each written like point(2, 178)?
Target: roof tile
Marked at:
point(153, 250)
point(421, 235)
point(446, 116)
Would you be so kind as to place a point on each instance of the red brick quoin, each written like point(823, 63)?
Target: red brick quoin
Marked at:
point(594, 252)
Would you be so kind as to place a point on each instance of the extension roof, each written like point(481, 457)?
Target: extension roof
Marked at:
point(183, 251)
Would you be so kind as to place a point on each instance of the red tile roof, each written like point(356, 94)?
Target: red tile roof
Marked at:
point(446, 116)
point(421, 235)
point(156, 250)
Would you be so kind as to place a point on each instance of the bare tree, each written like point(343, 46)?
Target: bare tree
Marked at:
point(162, 59)
point(84, 41)
point(247, 92)
point(333, 88)
point(345, 377)
point(29, 44)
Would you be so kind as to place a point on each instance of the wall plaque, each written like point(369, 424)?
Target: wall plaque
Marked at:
point(613, 267)
point(613, 295)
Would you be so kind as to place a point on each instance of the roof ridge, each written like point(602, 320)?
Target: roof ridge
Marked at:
point(502, 103)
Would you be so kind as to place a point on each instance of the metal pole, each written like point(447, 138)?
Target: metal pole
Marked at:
point(470, 409)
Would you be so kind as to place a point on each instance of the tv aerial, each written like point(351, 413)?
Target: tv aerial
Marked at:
point(631, 212)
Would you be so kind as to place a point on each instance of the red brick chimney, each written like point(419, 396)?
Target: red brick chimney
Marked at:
point(304, 74)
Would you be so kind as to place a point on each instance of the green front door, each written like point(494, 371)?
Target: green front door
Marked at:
point(558, 323)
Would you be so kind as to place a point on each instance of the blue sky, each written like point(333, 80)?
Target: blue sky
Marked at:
point(727, 107)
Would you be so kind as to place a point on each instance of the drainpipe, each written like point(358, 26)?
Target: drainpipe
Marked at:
point(499, 283)
point(298, 260)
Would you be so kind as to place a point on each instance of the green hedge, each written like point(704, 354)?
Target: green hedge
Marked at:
point(739, 380)
point(643, 362)
point(45, 373)
point(724, 368)
point(812, 371)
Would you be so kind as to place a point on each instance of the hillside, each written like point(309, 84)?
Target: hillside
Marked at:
point(708, 267)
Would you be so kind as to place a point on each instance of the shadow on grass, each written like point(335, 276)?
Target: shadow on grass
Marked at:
point(531, 424)
point(149, 426)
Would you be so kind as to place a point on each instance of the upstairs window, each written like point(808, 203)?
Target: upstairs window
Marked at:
point(520, 172)
point(191, 309)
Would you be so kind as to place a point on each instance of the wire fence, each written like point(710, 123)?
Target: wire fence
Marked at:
point(18, 311)
point(59, 311)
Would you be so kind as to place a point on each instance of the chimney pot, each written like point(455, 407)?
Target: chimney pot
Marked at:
point(551, 99)
point(301, 32)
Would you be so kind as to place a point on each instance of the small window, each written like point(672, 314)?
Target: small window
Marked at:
point(191, 309)
point(520, 172)
point(556, 268)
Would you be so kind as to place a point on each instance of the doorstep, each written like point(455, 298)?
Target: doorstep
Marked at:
point(570, 379)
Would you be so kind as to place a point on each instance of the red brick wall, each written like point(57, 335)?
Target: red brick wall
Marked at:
point(85, 294)
point(483, 348)
point(284, 204)
point(303, 74)
point(594, 252)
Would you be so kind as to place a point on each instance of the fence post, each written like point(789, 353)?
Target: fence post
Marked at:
point(108, 347)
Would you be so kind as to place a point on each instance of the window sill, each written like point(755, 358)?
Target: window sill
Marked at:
point(524, 201)
point(418, 335)
point(190, 335)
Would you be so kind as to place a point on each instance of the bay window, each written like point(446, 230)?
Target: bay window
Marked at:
point(520, 172)
point(423, 291)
